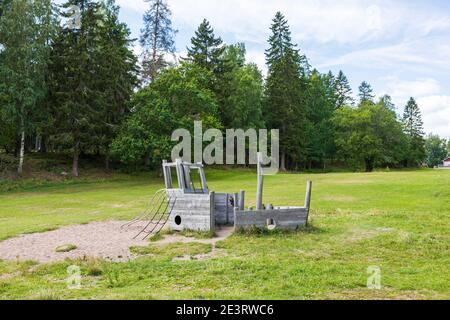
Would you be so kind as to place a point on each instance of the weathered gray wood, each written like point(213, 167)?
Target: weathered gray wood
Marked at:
point(230, 211)
point(166, 178)
point(169, 177)
point(291, 218)
point(212, 211)
point(167, 174)
point(187, 177)
point(203, 180)
point(308, 199)
point(196, 211)
point(308, 194)
point(224, 211)
point(180, 175)
point(241, 204)
point(260, 185)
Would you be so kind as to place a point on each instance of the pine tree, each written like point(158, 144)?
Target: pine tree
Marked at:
point(366, 92)
point(413, 127)
point(157, 38)
point(25, 30)
point(343, 91)
point(206, 50)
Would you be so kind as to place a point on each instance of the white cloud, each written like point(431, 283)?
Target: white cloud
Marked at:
point(402, 90)
point(424, 54)
point(347, 21)
point(436, 114)
point(136, 5)
point(257, 57)
point(372, 35)
point(434, 106)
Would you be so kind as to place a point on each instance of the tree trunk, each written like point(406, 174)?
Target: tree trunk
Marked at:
point(76, 155)
point(107, 163)
point(283, 161)
point(22, 152)
point(153, 70)
point(147, 161)
point(17, 147)
point(369, 164)
point(43, 146)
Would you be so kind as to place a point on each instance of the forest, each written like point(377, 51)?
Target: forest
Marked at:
point(71, 83)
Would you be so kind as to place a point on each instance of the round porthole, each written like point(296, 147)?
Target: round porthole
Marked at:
point(177, 220)
point(271, 224)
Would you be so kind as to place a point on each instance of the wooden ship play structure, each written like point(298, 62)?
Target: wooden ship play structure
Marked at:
point(195, 207)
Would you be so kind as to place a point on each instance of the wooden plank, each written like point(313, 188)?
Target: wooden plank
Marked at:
point(196, 211)
point(283, 219)
point(260, 184)
point(241, 204)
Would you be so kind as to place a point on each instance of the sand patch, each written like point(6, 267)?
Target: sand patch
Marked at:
point(97, 240)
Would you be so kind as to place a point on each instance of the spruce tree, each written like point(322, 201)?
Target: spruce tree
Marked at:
point(93, 75)
point(4, 5)
point(206, 50)
point(284, 106)
point(280, 44)
point(343, 91)
point(157, 38)
point(117, 77)
point(366, 92)
point(413, 127)
point(386, 101)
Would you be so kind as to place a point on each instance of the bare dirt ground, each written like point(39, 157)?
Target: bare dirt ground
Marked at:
point(98, 239)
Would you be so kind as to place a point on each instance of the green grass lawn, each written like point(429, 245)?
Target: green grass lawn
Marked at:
point(398, 221)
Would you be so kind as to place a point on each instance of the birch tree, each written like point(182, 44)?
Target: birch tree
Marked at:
point(25, 31)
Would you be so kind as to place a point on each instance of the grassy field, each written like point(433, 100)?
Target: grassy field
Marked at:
point(398, 221)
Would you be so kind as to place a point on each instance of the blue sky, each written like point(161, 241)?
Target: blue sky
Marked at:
point(401, 47)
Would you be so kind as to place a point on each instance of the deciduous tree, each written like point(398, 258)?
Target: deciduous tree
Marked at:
point(368, 135)
point(26, 28)
point(435, 149)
